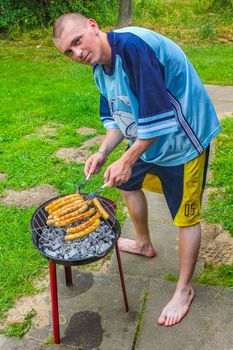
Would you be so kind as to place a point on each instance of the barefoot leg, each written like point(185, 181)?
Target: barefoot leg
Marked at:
point(137, 205)
point(177, 308)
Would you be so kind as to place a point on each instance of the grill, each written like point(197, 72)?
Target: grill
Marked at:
point(44, 236)
point(50, 242)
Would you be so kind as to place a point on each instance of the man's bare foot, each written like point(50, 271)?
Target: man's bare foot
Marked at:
point(134, 247)
point(177, 308)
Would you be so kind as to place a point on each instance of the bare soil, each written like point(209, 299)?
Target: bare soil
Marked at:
point(47, 132)
point(79, 154)
point(93, 141)
point(86, 131)
point(216, 246)
point(30, 197)
point(2, 176)
point(73, 154)
point(39, 302)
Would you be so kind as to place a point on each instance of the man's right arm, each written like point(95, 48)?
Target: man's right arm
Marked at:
point(112, 139)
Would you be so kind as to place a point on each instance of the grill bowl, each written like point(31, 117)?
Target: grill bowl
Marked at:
point(38, 222)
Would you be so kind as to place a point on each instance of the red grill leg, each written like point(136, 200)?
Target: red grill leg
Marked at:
point(68, 274)
point(122, 278)
point(54, 301)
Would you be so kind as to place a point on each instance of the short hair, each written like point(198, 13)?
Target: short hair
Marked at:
point(61, 22)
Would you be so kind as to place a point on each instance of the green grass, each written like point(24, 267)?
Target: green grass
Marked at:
point(217, 276)
point(171, 277)
point(38, 88)
point(19, 329)
point(211, 68)
point(185, 21)
point(220, 204)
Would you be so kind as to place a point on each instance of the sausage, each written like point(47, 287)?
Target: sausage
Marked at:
point(70, 208)
point(84, 225)
point(61, 211)
point(68, 215)
point(85, 232)
point(60, 202)
point(79, 216)
point(102, 211)
point(57, 203)
point(79, 211)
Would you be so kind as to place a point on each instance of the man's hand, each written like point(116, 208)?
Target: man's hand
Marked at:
point(94, 164)
point(117, 173)
point(120, 171)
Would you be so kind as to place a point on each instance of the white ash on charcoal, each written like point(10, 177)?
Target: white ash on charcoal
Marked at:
point(95, 244)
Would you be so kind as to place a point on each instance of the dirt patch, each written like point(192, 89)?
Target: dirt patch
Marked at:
point(216, 246)
point(47, 132)
point(73, 154)
point(93, 141)
point(86, 131)
point(79, 154)
point(29, 198)
point(2, 176)
point(39, 302)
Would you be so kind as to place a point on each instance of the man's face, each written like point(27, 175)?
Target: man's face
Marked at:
point(81, 43)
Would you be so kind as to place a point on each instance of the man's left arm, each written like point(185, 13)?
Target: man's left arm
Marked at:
point(120, 171)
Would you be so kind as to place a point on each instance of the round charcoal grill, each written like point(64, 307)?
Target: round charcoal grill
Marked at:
point(38, 225)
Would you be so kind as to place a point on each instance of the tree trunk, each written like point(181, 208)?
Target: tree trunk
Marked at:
point(125, 13)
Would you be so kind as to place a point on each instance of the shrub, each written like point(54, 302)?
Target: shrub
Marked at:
point(24, 15)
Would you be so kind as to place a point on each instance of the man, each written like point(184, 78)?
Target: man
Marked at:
point(150, 94)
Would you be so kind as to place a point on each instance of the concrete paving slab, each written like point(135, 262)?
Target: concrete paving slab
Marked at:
point(222, 98)
point(220, 92)
point(208, 325)
point(11, 343)
point(165, 239)
point(92, 311)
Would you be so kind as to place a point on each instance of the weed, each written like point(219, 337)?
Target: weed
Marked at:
point(139, 322)
point(171, 277)
point(206, 30)
point(19, 329)
point(217, 276)
point(49, 340)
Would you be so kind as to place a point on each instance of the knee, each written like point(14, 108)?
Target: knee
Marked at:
point(125, 194)
point(130, 194)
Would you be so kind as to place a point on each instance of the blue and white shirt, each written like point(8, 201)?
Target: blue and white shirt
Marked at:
point(153, 90)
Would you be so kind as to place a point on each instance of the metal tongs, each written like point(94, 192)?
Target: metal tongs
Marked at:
point(83, 183)
point(93, 194)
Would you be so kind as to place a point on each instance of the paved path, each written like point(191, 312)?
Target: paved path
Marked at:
point(92, 310)
point(222, 97)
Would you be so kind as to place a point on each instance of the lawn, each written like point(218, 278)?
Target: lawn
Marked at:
point(220, 205)
point(38, 88)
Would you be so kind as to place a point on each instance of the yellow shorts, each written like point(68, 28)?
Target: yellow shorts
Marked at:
point(181, 185)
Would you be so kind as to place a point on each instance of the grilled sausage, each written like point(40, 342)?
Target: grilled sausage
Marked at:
point(72, 207)
point(84, 225)
point(102, 211)
point(68, 221)
point(78, 217)
point(83, 233)
point(60, 202)
point(66, 209)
